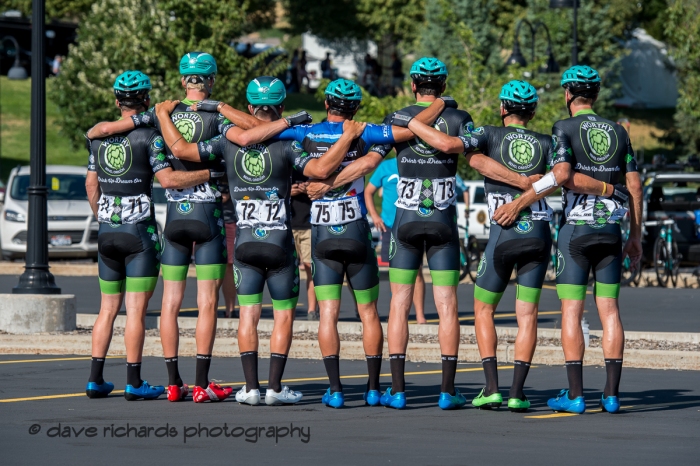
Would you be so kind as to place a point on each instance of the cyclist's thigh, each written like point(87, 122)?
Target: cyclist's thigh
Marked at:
point(210, 253)
point(111, 259)
point(494, 269)
point(442, 246)
point(533, 256)
point(407, 245)
point(283, 280)
point(361, 262)
point(573, 264)
point(143, 264)
point(607, 261)
point(327, 266)
point(177, 239)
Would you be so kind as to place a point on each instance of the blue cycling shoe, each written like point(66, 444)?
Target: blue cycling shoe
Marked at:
point(333, 400)
point(610, 404)
point(145, 391)
point(372, 397)
point(95, 390)
point(448, 401)
point(393, 400)
point(562, 403)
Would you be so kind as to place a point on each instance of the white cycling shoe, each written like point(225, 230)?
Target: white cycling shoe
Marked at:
point(250, 398)
point(285, 397)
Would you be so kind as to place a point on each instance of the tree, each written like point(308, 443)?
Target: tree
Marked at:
point(58, 9)
point(683, 32)
point(151, 36)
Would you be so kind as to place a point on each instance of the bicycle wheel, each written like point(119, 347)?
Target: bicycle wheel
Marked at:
point(473, 257)
point(628, 275)
point(661, 261)
point(675, 261)
point(463, 260)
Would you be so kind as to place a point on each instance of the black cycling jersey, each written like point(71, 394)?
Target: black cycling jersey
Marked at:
point(600, 149)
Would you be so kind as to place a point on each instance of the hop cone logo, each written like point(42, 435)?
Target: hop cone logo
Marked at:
point(186, 128)
point(116, 156)
point(253, 163)
point(521, 151)
point(599, 141)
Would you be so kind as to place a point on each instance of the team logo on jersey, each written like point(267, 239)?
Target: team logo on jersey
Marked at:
point(599, 141)
point(392, 247)
point(260, 233)
point(115, 155)
point(524, 225)
point(189, 124)
point(560, 263)
point(468, 128)
point(236, 276)
point(524, 152)
point(482, 267)
point(185, 207)
point(424, 149)
point(272, 195)
point(158, 144)
point(296, 146)
point(555, 141)
point(253, 163)
point(424, 211)
point(337, 229)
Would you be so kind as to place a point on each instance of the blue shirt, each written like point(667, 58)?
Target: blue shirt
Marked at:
point(330, 132)
point(387, 176)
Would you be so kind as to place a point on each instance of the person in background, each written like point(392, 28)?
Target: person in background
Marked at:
point(56, 65)
point(386, 176)
point(228, 287)
point(301, 229)
point(326, 70)
point(397, 75)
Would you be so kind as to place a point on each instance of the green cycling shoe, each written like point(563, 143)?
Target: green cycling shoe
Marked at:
point(494, 400)
point(517, 405)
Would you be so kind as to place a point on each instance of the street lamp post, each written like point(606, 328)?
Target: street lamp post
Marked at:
point(36, 278)
point(575, 4)
point(517, 57)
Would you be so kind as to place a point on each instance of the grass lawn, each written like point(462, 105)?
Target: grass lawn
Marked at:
point(15, 108)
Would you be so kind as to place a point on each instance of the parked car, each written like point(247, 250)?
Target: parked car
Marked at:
point(72, 227)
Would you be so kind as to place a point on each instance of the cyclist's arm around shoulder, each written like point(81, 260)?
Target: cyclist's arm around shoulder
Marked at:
point(427, 116)
point(92, 186)
point(109, 128)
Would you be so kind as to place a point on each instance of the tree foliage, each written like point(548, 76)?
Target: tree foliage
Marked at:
point(151, 36)
point(683, 32)
point(58, 9)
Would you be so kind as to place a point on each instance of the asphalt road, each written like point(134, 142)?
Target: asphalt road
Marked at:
point(658, 424)
point(642, 309)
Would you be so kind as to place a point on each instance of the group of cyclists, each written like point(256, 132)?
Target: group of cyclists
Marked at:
point(203, 151)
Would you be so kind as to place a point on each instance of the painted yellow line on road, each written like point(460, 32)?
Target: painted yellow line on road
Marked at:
point(56, 359)
point(496, 316)
point(556, 415)
point(226, 384)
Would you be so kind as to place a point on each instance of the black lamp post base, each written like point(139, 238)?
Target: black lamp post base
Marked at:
point(36, 280)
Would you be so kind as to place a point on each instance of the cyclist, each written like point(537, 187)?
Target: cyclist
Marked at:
point(426, 223)
point(260, 184)
point(119, 185)
point(598, 153)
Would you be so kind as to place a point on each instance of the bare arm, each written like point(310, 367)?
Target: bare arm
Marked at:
point(92, 186)
point(108, 128)
point(634, 185)
point(370, 189)
point(180, 148)
point(239, 118)
point(259, 133)
point(437, 139)
point(427, 116)
point(584, 184)
point(496, 171)
point(172, 179)
point(324, 166)
point(357, 169)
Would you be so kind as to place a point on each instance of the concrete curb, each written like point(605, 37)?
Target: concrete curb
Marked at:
point(355, 328)
point(349, 350)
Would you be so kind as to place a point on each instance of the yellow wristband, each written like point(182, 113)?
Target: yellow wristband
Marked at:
point(605, 188)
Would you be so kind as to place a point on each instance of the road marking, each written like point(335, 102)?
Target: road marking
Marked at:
point(556, 415)
point(57, 359)
point(307, 379)
point(496, 316)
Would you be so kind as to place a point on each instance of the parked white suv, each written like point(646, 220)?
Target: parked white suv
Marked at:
point(72, 228)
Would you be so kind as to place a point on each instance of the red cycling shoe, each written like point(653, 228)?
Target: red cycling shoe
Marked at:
point(214, 392)
point(176, 393)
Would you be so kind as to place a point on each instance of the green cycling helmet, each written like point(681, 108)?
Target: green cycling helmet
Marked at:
point(428, 69)
point(519, 92)
point(343, 95)
point(266, 90)
point(580, 75)
point(197, 63)
point(132, 85)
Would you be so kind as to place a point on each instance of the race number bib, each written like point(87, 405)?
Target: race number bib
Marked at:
point(592, 209)
point(336, 212)
point(540, 209)
point(438, 193)
point(271, 215)
point(200, 193)
point(123, 210)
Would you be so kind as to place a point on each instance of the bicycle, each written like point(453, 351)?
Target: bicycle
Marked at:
point(554, 227)
point(667, 260)
point(469, 255)
point(629, 276)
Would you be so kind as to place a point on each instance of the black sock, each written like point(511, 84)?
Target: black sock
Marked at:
point(520, 370)
point(173, 372)
point(277, 363)
point(374, 368)
point(249, 360)
point(133, 374)
point(332, 364)
point(398, 367)
point(574, 371)
point(449, 369)
point(201, 378)
point(614, 369)
point(491, 374)
point(96, 367)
